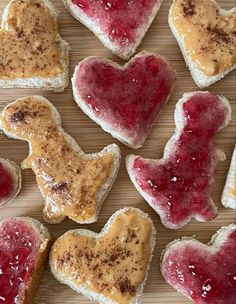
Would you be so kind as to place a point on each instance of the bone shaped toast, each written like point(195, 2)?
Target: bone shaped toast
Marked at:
point(32, 52)
point(179, 186)
point(73, 183)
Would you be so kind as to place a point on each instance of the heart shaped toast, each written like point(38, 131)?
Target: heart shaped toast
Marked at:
point(205, 274)
point(119, 24)
point(124, 101)
point(10, 181)
point(179, 186)
point(73, 183)
point(110, 266)
point(24, 245)
point(32, 53)
point(206, 36)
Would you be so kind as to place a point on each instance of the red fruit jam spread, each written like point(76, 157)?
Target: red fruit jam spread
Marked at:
point(180, 184)
point(119, 19)
point(6, 183)
point(127, 99)
point(18, 246)
point(206, 278)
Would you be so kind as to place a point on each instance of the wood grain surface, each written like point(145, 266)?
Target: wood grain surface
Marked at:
point(92, 138)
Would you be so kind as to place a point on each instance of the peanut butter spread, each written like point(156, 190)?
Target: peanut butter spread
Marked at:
point(209, 35)
point(68, 181)
point(113, 264)
point(29, 41)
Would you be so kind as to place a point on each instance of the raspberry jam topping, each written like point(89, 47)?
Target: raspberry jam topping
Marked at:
point(206, 278)
point(120, 19)
point(18, 246)
point(127, 99)
point(6, 183)
point(180, 185)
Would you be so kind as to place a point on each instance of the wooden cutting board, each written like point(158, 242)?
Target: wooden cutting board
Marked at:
point(92, 138)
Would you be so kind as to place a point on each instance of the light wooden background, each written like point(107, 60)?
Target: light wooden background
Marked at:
point(91, 138)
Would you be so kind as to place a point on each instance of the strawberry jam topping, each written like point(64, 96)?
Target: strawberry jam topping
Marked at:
point(127, 99)
point(120, 19)
point(18, 246)
point(6, 183)
point(206, 278)
point(180, 185)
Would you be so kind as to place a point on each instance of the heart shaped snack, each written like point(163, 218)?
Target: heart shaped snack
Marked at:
point(110, 266)
point(32, 53)
point(206, 36)
point(73, 183)
point(124, 101)
point(205, 274)
point(10, 181)
point(179, 186)
point(119, 24)
point(24, 245)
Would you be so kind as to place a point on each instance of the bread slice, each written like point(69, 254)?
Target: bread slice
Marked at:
point(229, 193)
point(15, 172)
point(53, 212)
point(170, 148)
point(26, 230)
point(200, 78)
point(56, 83)
point(124, 240)
point(125, 50)
point(135, 135)
point(195, 267)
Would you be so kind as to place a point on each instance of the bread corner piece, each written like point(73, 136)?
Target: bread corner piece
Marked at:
point(55, 81)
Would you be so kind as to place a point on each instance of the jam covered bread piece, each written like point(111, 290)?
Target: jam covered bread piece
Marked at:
point(10, 181)
point(229, 193)
point(205, 274)
point(24, 246)
point(32, 52)
point(206, 36)
point(179, 186)
point(73, 183)
point(119, 24)
point(124, 101)
point(110, 266)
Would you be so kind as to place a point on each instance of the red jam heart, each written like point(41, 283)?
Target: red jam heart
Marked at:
point(205, 274)
point(179, 186)
point(124, 100)
point(19, 246)
point(6, 183)
point(120, 23)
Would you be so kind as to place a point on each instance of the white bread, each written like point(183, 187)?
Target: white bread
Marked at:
point(93, 295)
point(15, 171)
point(117, 131)
point(212, 247)
point(28, 291)
point(124, 52)
point(229, 193)
point(113, 149)
point(168, 151)
point(200, 78)
point(57, 83)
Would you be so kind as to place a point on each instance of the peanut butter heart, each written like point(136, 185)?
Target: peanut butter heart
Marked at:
point(110, 267)
point(30, 44)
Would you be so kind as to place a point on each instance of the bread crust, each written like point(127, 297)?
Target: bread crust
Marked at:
point(124, 52)
point(201, 79)
point(89, 293)
point(57, 83)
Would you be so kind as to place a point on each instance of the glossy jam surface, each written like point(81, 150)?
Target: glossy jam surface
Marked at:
point(206, 278)
point(181, 184)
point(6, 183)
point(114, 264)
point(127, 99)
point(18, 246)
point(119, 19)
